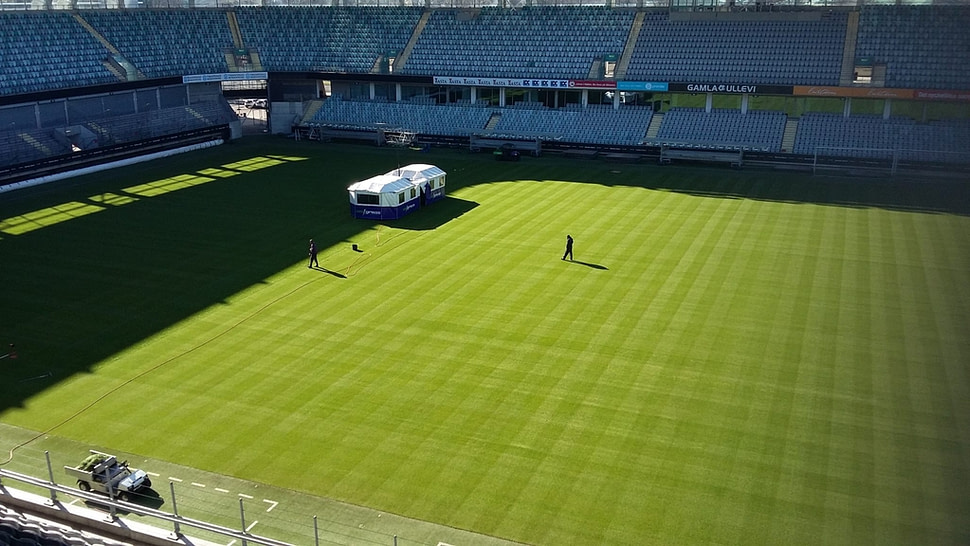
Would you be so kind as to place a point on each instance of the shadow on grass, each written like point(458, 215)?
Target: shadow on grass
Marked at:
point(88, 286)
point(434, 215)
point(903, 193)
point(587, 264)
point(83, 289)
point(329, 272)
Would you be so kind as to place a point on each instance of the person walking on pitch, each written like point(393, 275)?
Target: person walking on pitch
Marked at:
point(569, 248)
point(313, 255)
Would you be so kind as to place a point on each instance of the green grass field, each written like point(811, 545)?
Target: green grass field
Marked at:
point(733, 358)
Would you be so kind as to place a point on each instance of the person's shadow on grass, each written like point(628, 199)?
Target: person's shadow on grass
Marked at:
point(325, 270)
point(587, 264)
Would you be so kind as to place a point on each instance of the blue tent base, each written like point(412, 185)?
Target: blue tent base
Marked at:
point(375, 212)
point(434, 195)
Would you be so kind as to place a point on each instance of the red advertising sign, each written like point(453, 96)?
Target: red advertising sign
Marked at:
point(939, 94)
point(591, 84)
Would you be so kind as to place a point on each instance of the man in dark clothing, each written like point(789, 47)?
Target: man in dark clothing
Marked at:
point(313, 255)
point(569, 248)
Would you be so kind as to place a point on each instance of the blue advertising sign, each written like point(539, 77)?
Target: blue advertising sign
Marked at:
point(642, 86)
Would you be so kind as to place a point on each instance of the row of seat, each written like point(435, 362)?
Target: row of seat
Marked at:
point(23, 145)
point(805, 51)
point(532, 44)
point(905, 38)
point(756, 129)
point(48, 49)
point(193, 40)
point(17, 529)
point(872, 136)
point(342, 39)
point(535, 42)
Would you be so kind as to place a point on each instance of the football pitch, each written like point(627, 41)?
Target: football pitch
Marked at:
point(732, 357)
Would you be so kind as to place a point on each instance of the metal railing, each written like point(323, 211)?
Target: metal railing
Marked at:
point(114, 505)
point(219, 507)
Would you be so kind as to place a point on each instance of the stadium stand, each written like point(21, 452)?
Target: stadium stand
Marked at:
point(161, 122)
point(597, 123)
point(753, 48)
point(48, 50)
point(921, 46)
point(532, 42)
point(193, 40)
point(875, 137)
point(414, 116)
point(20, 529)
point(23, 146)
point(344, 39)
point(19, 146)
point(756, 130)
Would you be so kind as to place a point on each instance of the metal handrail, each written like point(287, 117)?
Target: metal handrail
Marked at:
point(175, 519)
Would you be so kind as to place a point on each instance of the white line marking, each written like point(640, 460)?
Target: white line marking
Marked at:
point(274, 503)
point(72, 502)
point(174, 479)
point(152, 474)
point(245, 496)
point(221, 490)
point(198, 484)
point(231, 543)
point(251, 525)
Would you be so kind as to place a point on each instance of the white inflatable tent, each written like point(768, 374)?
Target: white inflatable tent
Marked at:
point(398, 192)
point(429, 179)
point(383, 197)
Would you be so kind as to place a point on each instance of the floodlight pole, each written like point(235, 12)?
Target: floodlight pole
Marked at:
point(316, 532)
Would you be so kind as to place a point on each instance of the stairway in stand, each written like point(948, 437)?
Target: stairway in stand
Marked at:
point(788, 139)
point(493, 121)
point(654, 129)
point(402, 59)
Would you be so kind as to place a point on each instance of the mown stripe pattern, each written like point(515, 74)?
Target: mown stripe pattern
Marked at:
point(712, 370)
